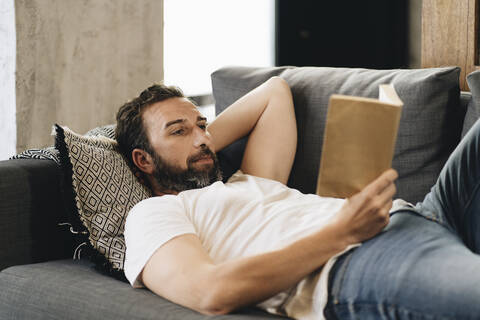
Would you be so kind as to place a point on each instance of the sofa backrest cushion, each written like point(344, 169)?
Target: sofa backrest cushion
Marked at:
point(473, 108)
point(430, 126)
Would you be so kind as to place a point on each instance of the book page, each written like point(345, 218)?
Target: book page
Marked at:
point(387, 93)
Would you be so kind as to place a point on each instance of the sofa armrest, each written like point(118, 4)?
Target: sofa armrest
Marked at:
point(31, 206)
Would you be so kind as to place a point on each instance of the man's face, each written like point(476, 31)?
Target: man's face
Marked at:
point(184, 152)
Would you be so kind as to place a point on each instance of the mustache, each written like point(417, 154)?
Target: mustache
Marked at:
point(205, 152)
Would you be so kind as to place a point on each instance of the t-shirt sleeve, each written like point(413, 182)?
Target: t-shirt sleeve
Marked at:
point(150, 224)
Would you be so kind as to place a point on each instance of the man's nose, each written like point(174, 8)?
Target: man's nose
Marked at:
point(201, 138)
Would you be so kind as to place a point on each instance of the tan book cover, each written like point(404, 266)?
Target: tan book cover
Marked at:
point(359, 141)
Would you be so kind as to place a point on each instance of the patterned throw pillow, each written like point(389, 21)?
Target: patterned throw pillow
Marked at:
point(48, 153)
point(51, 153)
point(104, 189)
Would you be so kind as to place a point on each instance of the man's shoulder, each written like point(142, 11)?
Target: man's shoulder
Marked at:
point(156, 199)
point(154, 204)
point(182, 200)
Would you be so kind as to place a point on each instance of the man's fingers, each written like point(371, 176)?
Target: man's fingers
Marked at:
point(382, 182)
point(390, 191)
point(386, 179)
point(380, 191)
point(385, 198)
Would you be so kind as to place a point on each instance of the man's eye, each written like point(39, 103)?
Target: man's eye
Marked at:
point(203, 126)
point(178, 132)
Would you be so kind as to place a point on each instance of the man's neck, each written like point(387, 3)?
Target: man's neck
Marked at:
point(158, 190)
point(160, 193)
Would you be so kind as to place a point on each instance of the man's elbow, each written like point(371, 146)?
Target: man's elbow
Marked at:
point(218, 301)
point(214, 310)
point(279, 83)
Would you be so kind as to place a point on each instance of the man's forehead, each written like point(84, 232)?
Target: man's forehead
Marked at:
point(161, 113)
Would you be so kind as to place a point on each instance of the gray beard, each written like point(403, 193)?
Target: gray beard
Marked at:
point(171, 177)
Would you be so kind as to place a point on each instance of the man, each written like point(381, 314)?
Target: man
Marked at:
point(215, 247)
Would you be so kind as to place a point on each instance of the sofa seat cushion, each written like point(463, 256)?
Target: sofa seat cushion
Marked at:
point(73, 289)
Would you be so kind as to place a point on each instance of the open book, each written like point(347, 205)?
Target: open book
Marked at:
point(359, 141)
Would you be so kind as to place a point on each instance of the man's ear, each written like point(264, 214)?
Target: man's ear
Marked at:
point(143, 161)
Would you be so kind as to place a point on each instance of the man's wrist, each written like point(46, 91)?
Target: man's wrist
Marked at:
point(340, 234)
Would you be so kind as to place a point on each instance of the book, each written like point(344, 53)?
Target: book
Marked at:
point(359, 141)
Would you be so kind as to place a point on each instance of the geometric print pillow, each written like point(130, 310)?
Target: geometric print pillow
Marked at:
point(50, 153)
point(103, 190)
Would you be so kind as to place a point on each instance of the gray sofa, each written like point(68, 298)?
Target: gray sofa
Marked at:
point(40, 280)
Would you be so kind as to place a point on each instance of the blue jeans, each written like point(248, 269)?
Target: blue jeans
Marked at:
point(426, 263)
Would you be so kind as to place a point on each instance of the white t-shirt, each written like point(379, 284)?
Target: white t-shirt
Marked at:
point(246, 216)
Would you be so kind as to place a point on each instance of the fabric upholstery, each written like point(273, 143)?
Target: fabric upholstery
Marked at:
point(104, 189)
point(30, 208)
point(67, 289)
point(465, 101)
point(430, 125)
point(473, 109)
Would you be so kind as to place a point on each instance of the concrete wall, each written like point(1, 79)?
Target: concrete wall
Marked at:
point(7, 79)
point(78, 61)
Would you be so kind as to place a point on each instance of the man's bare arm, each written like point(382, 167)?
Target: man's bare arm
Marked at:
point(182, 271)
point(267, 114)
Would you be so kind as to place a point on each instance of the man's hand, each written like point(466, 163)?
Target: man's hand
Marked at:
point(366, 213)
